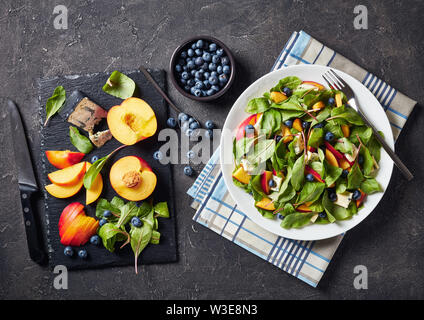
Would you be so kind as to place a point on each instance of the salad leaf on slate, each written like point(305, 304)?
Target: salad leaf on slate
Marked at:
point(119, 85)
point(82, 143)
point(140, 238)
point(55, 102)
point(161, 209)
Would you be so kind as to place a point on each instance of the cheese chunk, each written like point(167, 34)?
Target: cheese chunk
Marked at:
point(298, 146)
point(343, 199)
point(311, 157)
point(247, 166)
point(278, 182)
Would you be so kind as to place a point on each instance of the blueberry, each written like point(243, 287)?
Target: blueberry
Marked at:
point(219, 69)
point(188, 171)
point(223, 78)
point(319, 125)
point(197, 92)
point(82, 254)
point(329, 136)
point(183, 54)
point(199, 61)
point(199, 85)
point(287, 91)
point(206, 75)
point(191, 64)
point(356, 195)
point(191, 82)
point(332, 196)
point(280, 216)
point(249, 129)
point(185, 75)
point(157, 155)
point(206, 84)
point(68, 251)
point(107, 214)
point(199, 43)
point(212, 47)
point(95, 240)
point(194, 125)
point(181, 62)
point(190, 52)
point(193, 46)
point(94, 159)
point(209, 124)
point(187, 88)
point(331, 101)
point(183, 117)
point(102, 222)
point(219, 52)
point(225, 61)
point(226, 69)
point(198, 52)
point(288, 123)
point(178, 68)
point(216, 59)
point(205, 66)
point(209, 133)
point(277, 138)
point(207, 56)
point(322, 214)
point(189, 131)
point(272, 183)
point(136, 222)
point(193, 72)
point(185, 68)
point(212, 66)
point(360, 159)
point(306, 125)
point(344, 173)
point(215, 88)
point(213, 80)
point(214, 74)
point(199, 74)
point(210, 92)
point(309, 177)
point(191, 154)
point(183, 81)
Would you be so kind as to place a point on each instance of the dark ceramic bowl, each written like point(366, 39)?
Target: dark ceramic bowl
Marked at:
point(185, 46)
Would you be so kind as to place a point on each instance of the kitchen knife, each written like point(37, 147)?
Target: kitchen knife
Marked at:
point(27, 184)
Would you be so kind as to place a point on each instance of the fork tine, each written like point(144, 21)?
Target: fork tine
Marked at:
point(330, 75)
point(329, 84)
point(330, 81)
point(338, 78)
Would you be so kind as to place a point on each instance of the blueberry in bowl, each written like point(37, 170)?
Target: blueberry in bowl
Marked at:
point(202, 68)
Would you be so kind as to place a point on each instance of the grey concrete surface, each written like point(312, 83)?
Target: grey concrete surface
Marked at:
point(108, 35)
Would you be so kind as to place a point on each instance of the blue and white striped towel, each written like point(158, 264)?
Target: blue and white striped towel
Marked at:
point(306, 260)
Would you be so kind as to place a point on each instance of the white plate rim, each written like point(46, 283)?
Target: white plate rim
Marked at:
point(315, 231)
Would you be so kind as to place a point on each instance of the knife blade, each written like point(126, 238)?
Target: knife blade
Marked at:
point(27, 184)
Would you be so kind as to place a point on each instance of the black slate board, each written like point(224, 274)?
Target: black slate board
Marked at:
point(55, 137)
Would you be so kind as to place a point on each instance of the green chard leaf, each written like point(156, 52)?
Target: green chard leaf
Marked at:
point(128, 211)
point(140, 238)
point(311, 191)
point(297, 220)
point(370, 186)
point(110, 233)
point(82, 143)
point(347, 114)
point(332, 173)
point(161, 210)
point(316, 137)
point(102, 205)
point(155, 239)
point(344, 145)
point(93, 171)
point(298, 174)
point(55, 102)
point(257, 105)
point(355, 177)
point(271, 122)
point(119, 85)
point(289, 82)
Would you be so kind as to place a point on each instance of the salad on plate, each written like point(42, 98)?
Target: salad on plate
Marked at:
point(304, 155)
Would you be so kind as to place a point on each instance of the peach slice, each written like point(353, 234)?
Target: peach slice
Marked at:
point(68, 176)
point(311, 85)
point(249, 120)
point(132, 178)
point(132, 121)
point(303, 208)
point(318, 106)
point(287, 136)
point(64, 159)
point(64, 191)
point(331, 158)
point(297, 124)
point(241, 175)
point(345, 130)
point(344, 164)
point(265, 177)
point(96, 189)
point(315, 174)
point(266, 204)
point(278, 97)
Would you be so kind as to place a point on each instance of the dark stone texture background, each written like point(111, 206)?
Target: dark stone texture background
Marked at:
point(108, 35)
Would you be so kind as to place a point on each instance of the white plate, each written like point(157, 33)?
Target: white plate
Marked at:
point(245, 202)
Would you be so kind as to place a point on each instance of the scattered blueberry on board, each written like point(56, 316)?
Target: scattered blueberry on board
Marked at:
point(95, 240)
point(188, 171)
point(82, 254)
point(203, 69)
point(68, 251)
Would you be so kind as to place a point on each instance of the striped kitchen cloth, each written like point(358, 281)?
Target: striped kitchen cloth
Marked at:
point(216, 210)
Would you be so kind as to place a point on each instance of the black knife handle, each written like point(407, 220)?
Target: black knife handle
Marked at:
point(35, 246)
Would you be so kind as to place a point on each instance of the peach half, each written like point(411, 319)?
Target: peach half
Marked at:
point(132, 178)
point(132, 121)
